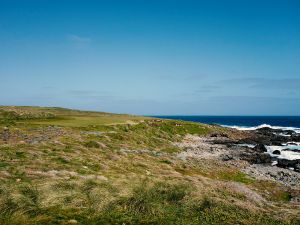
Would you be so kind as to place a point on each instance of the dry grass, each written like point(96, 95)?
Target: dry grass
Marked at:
point(123, 174)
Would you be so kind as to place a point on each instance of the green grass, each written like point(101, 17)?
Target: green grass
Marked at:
point(62, 117)
point(148, 203)
point(82, 121)
point(274, 191)
point(236, 176)
point(101, 168)
point(3, 165)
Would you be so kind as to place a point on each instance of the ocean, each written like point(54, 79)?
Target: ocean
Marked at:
point(245, 122)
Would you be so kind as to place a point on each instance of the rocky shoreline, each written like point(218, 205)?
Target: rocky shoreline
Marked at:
point(249, 153)
point(274, 146)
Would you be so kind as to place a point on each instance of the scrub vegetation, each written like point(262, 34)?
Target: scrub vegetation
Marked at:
point(61, 166)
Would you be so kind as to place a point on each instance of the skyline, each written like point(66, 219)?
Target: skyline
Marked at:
point(152, 58)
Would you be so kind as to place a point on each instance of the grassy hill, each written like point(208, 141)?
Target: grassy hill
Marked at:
point(61, 166)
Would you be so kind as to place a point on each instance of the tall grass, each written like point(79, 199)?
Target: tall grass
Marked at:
point(171, 203)
point(149, 203)
point(30, 200)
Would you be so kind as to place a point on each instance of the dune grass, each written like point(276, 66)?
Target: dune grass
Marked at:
point(149, 202)
point(55, 169)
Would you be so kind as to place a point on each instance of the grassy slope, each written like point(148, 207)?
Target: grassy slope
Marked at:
point(64, 166)
point(69, 118)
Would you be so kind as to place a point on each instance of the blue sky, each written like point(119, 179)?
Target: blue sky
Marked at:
point(152, 57)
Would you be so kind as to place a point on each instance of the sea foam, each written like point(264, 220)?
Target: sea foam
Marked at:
point(290, 151)
point(296, 129)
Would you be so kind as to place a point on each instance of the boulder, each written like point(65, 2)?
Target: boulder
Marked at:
point(276, 152)
point(263, 158)
point(256, 158)
point(283, 162)
point(266, 130)
point(260, 148)
point(295, 138)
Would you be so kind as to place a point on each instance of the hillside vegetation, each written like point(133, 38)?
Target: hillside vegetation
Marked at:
point(61, 166)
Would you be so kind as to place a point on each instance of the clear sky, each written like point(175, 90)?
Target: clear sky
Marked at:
point(152, 57)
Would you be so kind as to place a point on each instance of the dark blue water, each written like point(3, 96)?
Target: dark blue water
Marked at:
point(243, 121)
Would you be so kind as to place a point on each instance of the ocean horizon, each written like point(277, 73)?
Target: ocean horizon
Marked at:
point(240, 122)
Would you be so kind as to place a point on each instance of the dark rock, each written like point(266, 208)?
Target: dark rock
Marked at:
point(269, 136)
point(263, 158)
point(271, 132)
point(285, 163)
point(247, 141)
point(256, 158)
point(295, 138)
point(276, 152)
point(260, 148)
point(266, 130)
point(289, 132)
point(279, 139)
point(297, 167)
point(229, 145)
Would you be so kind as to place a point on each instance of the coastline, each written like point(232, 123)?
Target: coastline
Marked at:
point(91, 168)
point(253, 161)
point(287, 147)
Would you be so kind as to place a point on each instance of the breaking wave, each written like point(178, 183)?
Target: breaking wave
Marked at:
point(296, 129)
